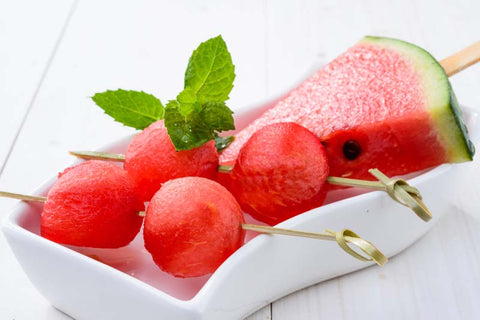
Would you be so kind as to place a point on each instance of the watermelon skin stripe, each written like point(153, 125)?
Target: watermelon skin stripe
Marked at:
point(390, 94)
point(445, 110)
point(468, 145)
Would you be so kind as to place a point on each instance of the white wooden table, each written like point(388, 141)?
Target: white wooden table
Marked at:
point(54, 54)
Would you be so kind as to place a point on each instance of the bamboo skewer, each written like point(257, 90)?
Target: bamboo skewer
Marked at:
point(399, 190)
point(342, 238)
point(462, 59)
point(24, 197)
point(96, 155)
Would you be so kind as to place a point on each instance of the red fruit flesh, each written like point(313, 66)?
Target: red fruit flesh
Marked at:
point(383, 149)
point(280, 172)
point(93, 204)
point(151, 159)
point(192, 225)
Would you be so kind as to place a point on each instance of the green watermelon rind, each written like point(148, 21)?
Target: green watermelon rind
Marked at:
point(444, 108)
point(457, 112)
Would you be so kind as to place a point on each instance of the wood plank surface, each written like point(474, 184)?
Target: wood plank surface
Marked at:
point(144, 45)
point(30, 32)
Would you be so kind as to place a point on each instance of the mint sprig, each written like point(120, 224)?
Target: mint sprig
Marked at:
point(199, 112)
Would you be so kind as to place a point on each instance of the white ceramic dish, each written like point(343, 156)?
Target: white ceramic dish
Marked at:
point(125, 284)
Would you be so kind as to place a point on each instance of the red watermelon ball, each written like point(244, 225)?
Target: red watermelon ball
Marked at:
point(280, 172)
point(93, 204)
point(192, 225)
point(151, 159)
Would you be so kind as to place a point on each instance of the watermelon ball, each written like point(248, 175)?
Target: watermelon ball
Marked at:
point(93, 204)
point(151, 159)
point(280, 172)
point(191, 226)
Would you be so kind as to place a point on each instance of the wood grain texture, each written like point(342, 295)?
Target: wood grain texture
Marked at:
point(28, 45)
point(462, 59)
point(145, 45)
point(30, 33)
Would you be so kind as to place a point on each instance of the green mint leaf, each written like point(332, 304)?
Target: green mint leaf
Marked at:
point(185, 132)
point(223, 142)
point(135, 109)
point(172, 104)
point(217, 116)
point(187, 100)
point(210, 71)
point(191, 130)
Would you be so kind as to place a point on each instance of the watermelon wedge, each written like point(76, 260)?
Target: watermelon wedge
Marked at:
point(384, 104)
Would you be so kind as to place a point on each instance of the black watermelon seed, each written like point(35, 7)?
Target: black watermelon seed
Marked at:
point(351, 149)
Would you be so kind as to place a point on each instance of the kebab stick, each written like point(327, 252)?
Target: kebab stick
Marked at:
point(344, 238)
point(462, 59)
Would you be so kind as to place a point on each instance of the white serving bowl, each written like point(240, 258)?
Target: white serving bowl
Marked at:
point(124, 283)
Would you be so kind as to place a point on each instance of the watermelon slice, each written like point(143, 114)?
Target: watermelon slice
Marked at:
point(384, 104)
